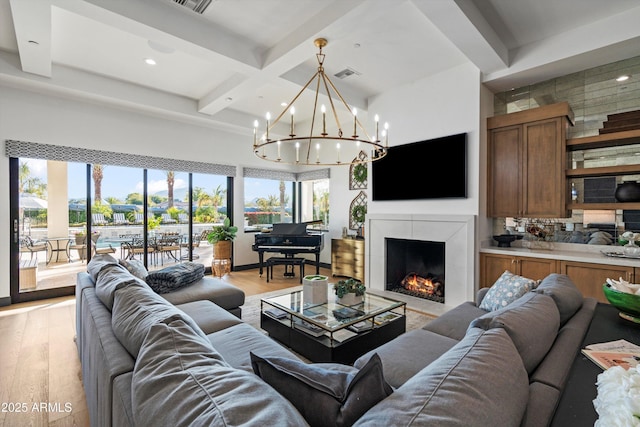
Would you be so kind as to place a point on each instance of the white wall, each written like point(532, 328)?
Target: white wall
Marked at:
point(441, 105)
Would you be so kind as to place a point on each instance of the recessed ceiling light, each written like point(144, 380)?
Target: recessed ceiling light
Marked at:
point(150, 61)
point(623, 78)
point(160, 47)
point(283, 104)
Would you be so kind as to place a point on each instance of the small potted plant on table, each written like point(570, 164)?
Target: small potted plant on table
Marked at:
point(349, 291)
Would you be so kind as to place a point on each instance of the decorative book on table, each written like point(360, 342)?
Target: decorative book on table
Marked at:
point(614, 353)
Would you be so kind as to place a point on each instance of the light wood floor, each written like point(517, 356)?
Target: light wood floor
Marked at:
point(39, 364)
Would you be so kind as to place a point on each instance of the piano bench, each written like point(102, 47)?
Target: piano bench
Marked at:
point(286, 262)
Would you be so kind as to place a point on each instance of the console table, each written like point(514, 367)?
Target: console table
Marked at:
point(576, 404)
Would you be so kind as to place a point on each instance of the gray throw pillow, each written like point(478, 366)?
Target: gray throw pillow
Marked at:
point(479, 382)
point(175, 277)
point(180, 380)
point(135, 267)
point(564, 292)
point(98, 262)
point(325, 394)
point(110, 277)
point(532, 322)
point(508, 288)
point(136, 309)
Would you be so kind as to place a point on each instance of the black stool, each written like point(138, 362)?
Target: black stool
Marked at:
point(286, 261)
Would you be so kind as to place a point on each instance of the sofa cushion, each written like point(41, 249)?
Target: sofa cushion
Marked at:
point(455, 322)
point(135, 267)
point(408, 354)
point(235, 343)
point(180, 380)
point(98, 262)
point(209, 316)
point(136, 309)
point(479, 382)
point(508, 288)
point(213, 289)
point(564, 292)
point(175, 277)
point(109, 278)
point(325, 394)
point(532, 323)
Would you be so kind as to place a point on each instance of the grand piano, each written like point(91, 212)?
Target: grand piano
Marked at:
point(289, 239)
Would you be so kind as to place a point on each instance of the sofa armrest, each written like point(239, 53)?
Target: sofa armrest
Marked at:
point(480, 295)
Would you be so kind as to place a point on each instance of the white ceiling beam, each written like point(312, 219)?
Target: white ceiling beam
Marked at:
point(171, 26)
point(582, 45)
point(32, 22)
point(76, 84)
point(294, 49)
point(463, 24)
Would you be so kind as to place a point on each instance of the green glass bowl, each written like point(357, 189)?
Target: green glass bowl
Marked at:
point(626, 303)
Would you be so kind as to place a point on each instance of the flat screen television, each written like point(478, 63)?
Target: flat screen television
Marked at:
point(431, 169)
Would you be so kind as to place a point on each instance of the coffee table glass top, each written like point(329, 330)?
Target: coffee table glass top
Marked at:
point(332, 316)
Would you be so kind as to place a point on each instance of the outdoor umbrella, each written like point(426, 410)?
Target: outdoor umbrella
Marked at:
point(30, 202)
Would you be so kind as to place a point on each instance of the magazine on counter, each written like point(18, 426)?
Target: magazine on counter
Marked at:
point(607, 359)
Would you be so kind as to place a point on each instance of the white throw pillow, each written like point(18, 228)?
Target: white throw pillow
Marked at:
point(508, 288)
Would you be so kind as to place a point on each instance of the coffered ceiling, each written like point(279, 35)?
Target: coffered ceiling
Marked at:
point(241, 58)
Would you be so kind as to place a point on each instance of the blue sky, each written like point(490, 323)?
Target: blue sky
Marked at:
point(121, 181)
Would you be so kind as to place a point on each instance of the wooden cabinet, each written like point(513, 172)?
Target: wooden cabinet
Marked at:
point(492, 266)
point(527, 163)
point(347, 258)
point(589, 278)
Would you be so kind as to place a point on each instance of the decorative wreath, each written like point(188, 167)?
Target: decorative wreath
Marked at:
point(360, 172)
point(358, 213)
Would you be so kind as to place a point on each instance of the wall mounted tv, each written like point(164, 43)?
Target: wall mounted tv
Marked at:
point(431, 169)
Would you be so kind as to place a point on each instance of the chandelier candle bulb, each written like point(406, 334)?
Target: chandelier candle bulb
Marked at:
point(268, 118)
point(297, 152)
point(324, 119)
point(355, 122)
point(377, 119)
point(293, 111)
point(338, 151)
point(255, 133)
point(386, 134)
point(318, 152)
point(279, 150)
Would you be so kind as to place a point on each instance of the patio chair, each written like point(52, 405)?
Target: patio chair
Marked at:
point(120, 219)
point(27, 244)
point(98, 219)
point(166, 219)
point(183, 218)
point(170, 244)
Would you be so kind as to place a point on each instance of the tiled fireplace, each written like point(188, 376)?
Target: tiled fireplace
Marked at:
point(448, 239)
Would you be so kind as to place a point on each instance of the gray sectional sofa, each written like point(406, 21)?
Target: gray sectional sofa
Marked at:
point(148, 361)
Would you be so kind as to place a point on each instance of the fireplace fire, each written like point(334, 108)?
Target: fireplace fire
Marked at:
point(416, 268)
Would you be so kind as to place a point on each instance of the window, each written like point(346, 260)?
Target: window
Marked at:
point(314, 202)
point(266, 201)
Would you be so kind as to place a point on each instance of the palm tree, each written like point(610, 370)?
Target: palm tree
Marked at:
point(28, 183)
point(171, 178)
point(282, 200)
point(97, 175)
point(217, 199)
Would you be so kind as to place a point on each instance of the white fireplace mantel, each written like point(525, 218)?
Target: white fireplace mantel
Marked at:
point(456, 231)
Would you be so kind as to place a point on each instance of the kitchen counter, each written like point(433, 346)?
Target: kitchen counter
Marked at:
point(568, 252)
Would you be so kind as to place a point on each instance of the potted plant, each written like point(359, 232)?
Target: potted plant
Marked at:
point(349, 291)
point(221, 237)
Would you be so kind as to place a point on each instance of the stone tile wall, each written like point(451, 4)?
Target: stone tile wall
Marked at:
point(592, 94)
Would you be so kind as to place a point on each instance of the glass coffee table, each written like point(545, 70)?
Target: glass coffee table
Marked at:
point(332, 332)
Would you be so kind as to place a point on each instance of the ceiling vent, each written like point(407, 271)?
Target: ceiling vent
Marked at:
point(346, 73)
point(198, 6)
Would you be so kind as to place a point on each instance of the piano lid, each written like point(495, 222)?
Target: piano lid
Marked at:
point(284, 228)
